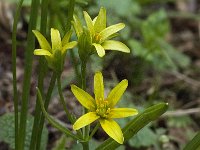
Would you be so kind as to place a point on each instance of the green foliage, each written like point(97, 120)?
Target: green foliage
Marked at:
point(194, 144)
point(179, 122)
point(154, 47)
point(7, 132)
point(144, 138)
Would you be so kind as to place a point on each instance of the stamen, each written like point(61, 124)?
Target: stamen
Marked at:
point(102, 108)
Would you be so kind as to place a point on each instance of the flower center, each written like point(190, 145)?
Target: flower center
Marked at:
point(102, 108)
point(97, 38)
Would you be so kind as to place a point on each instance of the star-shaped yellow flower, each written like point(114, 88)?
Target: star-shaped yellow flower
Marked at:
point(54, 55)
point(100, 34)
point(103, 108)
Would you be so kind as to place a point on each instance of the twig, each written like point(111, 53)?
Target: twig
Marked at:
point(181, 112)
point(187, 79)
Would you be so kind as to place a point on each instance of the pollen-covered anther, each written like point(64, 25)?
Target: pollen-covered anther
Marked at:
point(108, 111)
point(97, 38)
point(102, 108)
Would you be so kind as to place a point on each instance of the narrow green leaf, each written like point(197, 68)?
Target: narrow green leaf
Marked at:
point(194, 144)
point(54, 122)
point(136, 124)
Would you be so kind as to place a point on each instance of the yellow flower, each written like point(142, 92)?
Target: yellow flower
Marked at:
point(100, 35)
point(103, 108)
point(54, 55)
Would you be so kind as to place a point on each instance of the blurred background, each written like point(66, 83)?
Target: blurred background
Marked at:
point(163, 66)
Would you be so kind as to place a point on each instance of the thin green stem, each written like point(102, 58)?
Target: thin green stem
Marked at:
point(75, 66)
point(14, 49)
point(85, 145)
point(86, 129)
point(27, 73)
point(42, 70)
point(70, 14)
point(83, 75)
point(53, 121)
point(46, 104)
point(94, 130)
point(68, 27)
point(62, 100)
point(69, 116)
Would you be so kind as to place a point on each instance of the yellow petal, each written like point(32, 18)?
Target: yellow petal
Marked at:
point(89, 22)
point(77, 25)
point(85, 120)
point(116, 93)
point(122, 112)
point(115, 45)
point(69, 46)
point(100, 23)
point(98, 86)
point(100, 49)
point(110, 30)
point(42, 52)
point(44, 44)
point(94, 20)
point(112, 129)
point(83, 97)
point(66, 38)
point(55, 39)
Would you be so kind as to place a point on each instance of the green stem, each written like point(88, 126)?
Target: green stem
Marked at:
point(75, 66)
point(94, 130)
point(62, 100)
point(27, 73)
point(70, 14)
point(85, 145)
point(46, 104)
point(42, 70)
point(68, 27)
point(86, 129)
point(14, 50)
point(54, 122)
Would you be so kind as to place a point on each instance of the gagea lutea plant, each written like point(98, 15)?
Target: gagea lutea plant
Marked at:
point(94, 38)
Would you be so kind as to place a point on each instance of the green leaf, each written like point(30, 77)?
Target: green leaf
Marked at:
point(7, 132)
point(194, 144)
point(141, 120)
point(55, 123)
point(145, 137)
point(156, 26)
